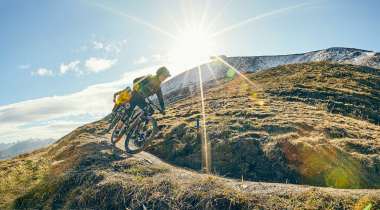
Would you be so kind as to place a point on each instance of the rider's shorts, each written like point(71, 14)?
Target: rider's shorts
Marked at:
point(136, 100)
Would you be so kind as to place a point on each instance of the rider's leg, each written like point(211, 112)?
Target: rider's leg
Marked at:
point(115, 107)
point(140, 102)
point(122, 121)
point(132, 102)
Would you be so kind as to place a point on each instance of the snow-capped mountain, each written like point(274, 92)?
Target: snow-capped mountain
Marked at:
point(251, 64)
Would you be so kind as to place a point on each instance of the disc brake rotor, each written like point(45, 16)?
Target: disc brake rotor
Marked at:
point(142, 136)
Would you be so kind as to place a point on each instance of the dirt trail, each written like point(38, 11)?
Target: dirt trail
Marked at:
point(87, 171)
point(184, 175)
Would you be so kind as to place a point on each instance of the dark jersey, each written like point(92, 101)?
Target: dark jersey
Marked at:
point(149, 85)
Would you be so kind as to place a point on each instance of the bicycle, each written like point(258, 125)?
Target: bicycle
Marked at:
point(116, 117)
point(140, 124)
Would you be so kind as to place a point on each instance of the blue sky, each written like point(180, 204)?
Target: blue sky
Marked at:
point(63, 60)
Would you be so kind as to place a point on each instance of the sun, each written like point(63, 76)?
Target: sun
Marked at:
point(193, 45)
point(194, 42)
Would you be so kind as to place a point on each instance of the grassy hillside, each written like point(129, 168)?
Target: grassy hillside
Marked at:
point(349, 90)
point(84, 171)
point(257, 135)
point(310, 123)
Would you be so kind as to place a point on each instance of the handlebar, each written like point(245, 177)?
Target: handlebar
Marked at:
point(155, 106)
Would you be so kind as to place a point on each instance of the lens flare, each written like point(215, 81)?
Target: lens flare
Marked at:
point(324, 165)
point(193, 45)
point(230, 73)
point(244, 87)
point(259, 17)
point(205, 145)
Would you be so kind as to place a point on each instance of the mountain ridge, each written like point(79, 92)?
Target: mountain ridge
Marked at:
point(25, 146)
point(301, 141)
point(250, 64)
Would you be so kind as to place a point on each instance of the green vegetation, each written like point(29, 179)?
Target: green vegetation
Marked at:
point(302, 126)
point(89, 173)
point(349, 90)
point(19, 174)
point(261, 135)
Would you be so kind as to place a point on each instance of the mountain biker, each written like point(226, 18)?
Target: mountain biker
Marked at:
point(143, 87)
point(124, 96)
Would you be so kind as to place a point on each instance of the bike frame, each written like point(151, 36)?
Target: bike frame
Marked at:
point(143, 112)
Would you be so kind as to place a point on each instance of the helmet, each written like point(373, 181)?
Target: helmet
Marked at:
point(128, 88)
point(164, 72)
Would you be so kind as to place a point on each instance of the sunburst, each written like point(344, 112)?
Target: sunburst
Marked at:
point(194, 44)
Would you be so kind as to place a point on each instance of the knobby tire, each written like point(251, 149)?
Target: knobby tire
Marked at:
point(147, 142)
point(113, 122)
point(112, 139)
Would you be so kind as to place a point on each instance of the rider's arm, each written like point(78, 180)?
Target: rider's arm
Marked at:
point(160, 98)
point(114, 95)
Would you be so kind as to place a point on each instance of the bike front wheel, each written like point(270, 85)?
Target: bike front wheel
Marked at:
point(141, 135)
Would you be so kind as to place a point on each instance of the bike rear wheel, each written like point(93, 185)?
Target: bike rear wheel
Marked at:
point(141, 135)
point(115, 140)
point(114, 120)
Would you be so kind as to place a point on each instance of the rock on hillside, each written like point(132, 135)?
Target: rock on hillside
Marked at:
point(251, 64)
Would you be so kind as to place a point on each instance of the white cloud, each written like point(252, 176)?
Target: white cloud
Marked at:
point(170, 57)
point(141, 60)
point(64, 68)
point(24, 66)
point(52, 129)
point(97, 65)
point(158, 57)
point(80, 73)
point(98, 45)
point(83, 48)
point(113, 47)
point(95, 100)
point(43, 72)
point(43, 118)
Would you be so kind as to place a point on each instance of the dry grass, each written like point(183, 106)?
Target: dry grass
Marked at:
point(90, 173)
point(273, 139)
point(294, 129)
point(20, 174)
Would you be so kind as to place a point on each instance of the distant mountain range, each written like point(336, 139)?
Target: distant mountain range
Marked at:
point(252, 64)
point(13, 149)
point(4, 146)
